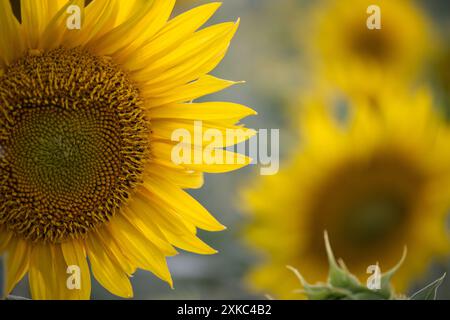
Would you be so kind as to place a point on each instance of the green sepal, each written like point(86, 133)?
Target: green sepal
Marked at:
point(342, 285)
point(337, 276)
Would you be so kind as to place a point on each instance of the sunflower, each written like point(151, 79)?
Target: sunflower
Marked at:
point(376, 181)
point(85, 139)
point(339, 39)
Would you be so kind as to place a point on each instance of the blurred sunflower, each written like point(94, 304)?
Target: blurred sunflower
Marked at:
point(376, 182)
point(340, 39)
point(85, 138)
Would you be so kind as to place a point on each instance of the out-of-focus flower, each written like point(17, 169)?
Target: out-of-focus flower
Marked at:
point(377, 180)
point(339, 38)
point(86, 118)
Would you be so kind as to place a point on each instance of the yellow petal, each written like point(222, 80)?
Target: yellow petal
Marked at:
point(193, 69)
point(226, 135)
point(145, 20)
point(109, 244)
point(196, 45)
point(5, 238)
point(48, 274)
point(11, 37)
point(185, 179)
point(97, 19)
point(56, 27)
point(35, 17)
point(229, 161)
point(40, 275)
point(107, 271)
point(201, 111)
point(134, 213)
point(182, 202)
point(139, 249)
point(16, 263)
point(171, 35)
point(233, 161)
point(126, 10)
point(171, 224)
point(203, 86)
point(75, 255)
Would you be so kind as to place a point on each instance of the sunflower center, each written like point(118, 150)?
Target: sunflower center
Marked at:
point(369, 203)
point(374, 218)
point(73, 141)
point(372, 44)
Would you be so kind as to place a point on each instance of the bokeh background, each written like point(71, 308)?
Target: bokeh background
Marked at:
point(269, 54)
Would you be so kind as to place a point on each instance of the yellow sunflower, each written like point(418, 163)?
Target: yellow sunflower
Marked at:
point(86, 117)
point(376, 181)
point(340, 40)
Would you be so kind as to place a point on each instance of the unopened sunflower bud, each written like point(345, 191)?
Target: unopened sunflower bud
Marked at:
point(342, 285)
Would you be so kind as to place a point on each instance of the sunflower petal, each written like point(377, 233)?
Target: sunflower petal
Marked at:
point(222, 136)
point(185, 179)
point(182, 202)
point(199, 43)
point(11, 40)
point(171, 35)
point(106, 270)
point(110, 245)
point(194, 68)
point(75, 255)
point(16, 263)
point(35, 17)
point(139, 249)
point(145, 20)
point(56, 28)
point(48, 274)
point(97, 19)
point(5, 238)
point(203, 86)
point(229, 161)
point(40, 275)
point(134, 213)
point(173, 226)
point(213, 111)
